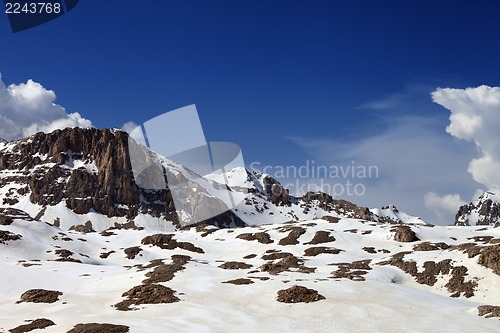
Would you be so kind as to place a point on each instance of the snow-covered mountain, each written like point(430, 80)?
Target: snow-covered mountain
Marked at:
point(83, 248)
point(483, 211)
point(75, 176)
point(390, 214)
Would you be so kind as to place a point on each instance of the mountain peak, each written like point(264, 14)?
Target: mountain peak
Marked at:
point(485, 210)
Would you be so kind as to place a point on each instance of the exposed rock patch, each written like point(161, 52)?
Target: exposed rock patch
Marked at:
point(99, 328)
point(163, 272)
point(314, 251)
point(299, 294)
point(352, 271)
point(404, 234)
point(489, 311)
point(261, 237)
point(321, 237)
point(132, 252)
point(293, 235)
point(239, 281)
point(34, 325)
point(167, 242)
point(83, 228)
point(6, 236)
point(286, 264)
point(490, 257)
point(275, 255)
point(40, 296)
point(426, 246)
point(250, 256)
point(331, 219)
point(6, 220)
point(235, 265)
point(147, 294)
point(65, 255)
point(457, 285)
point(369, 249)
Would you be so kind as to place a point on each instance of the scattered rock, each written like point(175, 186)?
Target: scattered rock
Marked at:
point(490, 257)
point(65, 255)
point(40, 296)
point(166, 242)
point(457, 284)
point(163, 272)
point(471, 249)
point(352, 271)
point(205, 229)
point(87, 228)
point(369, 249)
point(314, 251)
point(321, 237)
point(250, 256)
point(105, 255)
point(239, 281)
point(275, 255)
point(261, 237)
point(6, 236)
point(147, 294)
point(132, 252)
point(34, 325)
point(99, 328)
point(426, 246)
point(404, 234)
point(6, 220)
point(292, 238)
point(431, 270)
point(409, 267)
point(331, 219)
point(489, 311)
point(298, 294)
point(235, 265)
point(286, 264)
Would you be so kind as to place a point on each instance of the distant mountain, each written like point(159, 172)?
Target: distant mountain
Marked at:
point(390, 214)
point(483, 211)
point(75, 176)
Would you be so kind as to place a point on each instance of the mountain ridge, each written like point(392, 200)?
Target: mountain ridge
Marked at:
point(89, 172)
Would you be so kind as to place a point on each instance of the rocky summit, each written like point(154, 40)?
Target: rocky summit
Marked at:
point(84, 248)
point(483, 211)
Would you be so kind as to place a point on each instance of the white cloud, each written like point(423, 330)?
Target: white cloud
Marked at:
point(414, 156)
point(129, 126)
point(27, 108)
point(443, 206)
point(475, 116)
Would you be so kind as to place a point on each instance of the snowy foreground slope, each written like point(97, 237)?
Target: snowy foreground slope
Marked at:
point(369, 277)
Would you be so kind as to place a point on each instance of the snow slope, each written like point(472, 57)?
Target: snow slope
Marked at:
point(374, 297)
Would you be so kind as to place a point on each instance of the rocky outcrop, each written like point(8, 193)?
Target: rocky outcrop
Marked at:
point(341, 207)
point(87, 170)
point(483, 211)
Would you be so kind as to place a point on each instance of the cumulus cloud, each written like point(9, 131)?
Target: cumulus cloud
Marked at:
point(443, 206)
point(27, 108)
point(414, 156)
point(475, 116)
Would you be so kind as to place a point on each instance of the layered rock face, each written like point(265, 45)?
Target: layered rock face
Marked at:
point(88, 169)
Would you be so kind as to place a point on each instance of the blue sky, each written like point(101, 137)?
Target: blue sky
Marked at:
point(289, 81)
